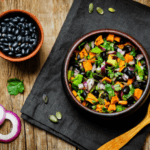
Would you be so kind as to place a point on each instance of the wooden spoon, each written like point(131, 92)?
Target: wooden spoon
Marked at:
point(120, 141)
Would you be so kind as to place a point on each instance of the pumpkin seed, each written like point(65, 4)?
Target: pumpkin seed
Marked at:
point(45, 99)
point(111, 9)
point(100, 10)
point(53, 118)
point(58, 115)
point(91, 7)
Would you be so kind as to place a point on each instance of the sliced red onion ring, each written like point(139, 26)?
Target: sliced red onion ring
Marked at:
point(111, 52)
point(16, 129)
point(2, 114)
point(125, 77)
point(102, 48)
point(131, 68)
point(138, 78)
point(117, 69)
point(132, 62)
point(76, 72)
point(121, 95)
point(98, 69)
point(114, 79)
point(80, 86)
point(103, 70)
point(121, 51)
point(90, 84)
point(113, 87)
point(139, 57)
point(85, 84)
point(87, 47)
point(82, 60)
point(100, 86)
point(92, 44)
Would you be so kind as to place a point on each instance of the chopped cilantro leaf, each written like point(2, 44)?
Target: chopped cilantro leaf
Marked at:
point(119, 55)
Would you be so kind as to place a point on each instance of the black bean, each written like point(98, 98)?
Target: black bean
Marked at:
point(107, 98)
point(75, 65)
point(6, 50)
point(6, 39)
point(84, 94)
point(125, 70)
point(12, 24)
point(9, 35)
point(20, 24)
point(4, 29)
point(0, 34)
point(17, 27)
point(23, 52)
point(131, 74)
point(130, 100)
point(18, 55)
point(31, 30)
point(34, 27)
point(10, 53)
point(83, 73)
point(127, 48)
point(18, 17)
point(22, 45)
point(19, 38)
point(6, 44)
point(15, 44)
point(26, 26)
point(9, 44)
point(103, 54)
point(31, 48)
point(2, 47)
point(30, 25)
point(27, 51)
point(2, 39)
point(23, 39)
point(16, 32)
point(126, 90)
point(13, 30)
point(120, 78)
point(17, 49)
point(15, 20)
point(26, 46)
point(27, 39)
point(22, 19)
point(12, 49)
point(14, 38)
point(33, 36)
point(3, 23)
point(6, 19)
point(26, 32)
point(135, 84)
point(128, 105)
point(96, 93)
point(4, 35)
point(9, 29)
point(115, 47)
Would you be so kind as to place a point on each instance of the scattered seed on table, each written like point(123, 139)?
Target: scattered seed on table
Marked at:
point(111, 10)
point(58, 115)
point(100, 10)
point(91, 7)
point(45, 99)
point(53, 118)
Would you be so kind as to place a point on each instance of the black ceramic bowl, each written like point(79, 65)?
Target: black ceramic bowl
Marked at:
point(88, 111)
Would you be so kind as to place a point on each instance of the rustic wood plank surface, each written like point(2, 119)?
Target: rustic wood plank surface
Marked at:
point(51, 14)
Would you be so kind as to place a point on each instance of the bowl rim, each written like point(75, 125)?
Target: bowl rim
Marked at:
point(12, 59)
point(106, 31)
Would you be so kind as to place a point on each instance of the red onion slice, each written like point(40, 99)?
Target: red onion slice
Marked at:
point(100, 86)
point(102, 48)
point(82, 60)
point(2, 114)
point(90, 84)
point(121, 51)
point(92, 44)
point(103, 70)
point(87, 47)
point(80, 86)
point(131, 68)
point(111, 52)
point(76, 72)
point(132, 62)
point(125, 77)
point(16, 129)
point(139, 57)
point(85, 84)
point(94, 68)
point(121, 95)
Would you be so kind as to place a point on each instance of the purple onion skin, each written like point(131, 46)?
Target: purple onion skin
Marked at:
point(139, 56)
point(2, 120)
point(102, 48)
point(131, 68)
point(18, 131)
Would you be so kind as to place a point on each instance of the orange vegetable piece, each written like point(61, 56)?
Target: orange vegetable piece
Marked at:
point(110, 38)
point(106, 103)
point(70, 86)
point(121, 46)
point(99, 107)
point(130, 81)
point(112, 107)
point(99, 40)
point(139, 63)
point(74, 93)
point(110, 56)
point(114, 99)
point(128, 43)
point(123, 102)
point(92, 55)
point(117, 38)
point(121, 68)
point(72, 78)
point(128, 58)
point(137, 93)
point(106, 79)
point(78, 98)
point(84, 103)
point(90, 98)
point(121, 62)
point(121, 85)
point(87, 65)
point(83, 53)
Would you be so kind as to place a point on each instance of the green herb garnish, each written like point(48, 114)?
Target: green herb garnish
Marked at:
point(117, 87)
point(131, 92)
point(119, 55)
point(110, 90)
point(15, 86)
point(133, 53)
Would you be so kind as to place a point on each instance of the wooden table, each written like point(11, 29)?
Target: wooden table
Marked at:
point(51, 14)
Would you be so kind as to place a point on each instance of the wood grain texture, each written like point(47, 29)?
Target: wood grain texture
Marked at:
point(51, 14)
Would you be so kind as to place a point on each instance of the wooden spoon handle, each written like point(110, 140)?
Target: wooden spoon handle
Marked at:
point(120, 141)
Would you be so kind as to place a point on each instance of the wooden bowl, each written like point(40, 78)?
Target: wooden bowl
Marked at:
point(40, 31)
point(88, 111)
